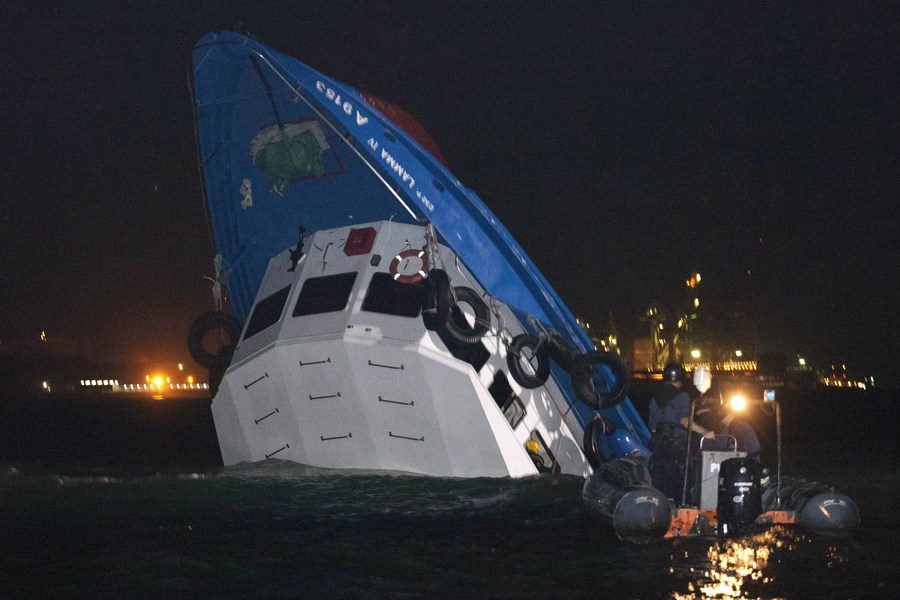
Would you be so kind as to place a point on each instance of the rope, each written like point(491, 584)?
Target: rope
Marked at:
point(220, 279)
point(295, 88)
point(431, 244)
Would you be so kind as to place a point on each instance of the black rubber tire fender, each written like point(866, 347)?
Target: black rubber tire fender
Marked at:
point(438, 299)
point(589, 443)
point(586, 392)
point(557, 348)
point(536, 375)
point(206, 323)
point(597, 427)
point(457, 327)
point(568, 358)
point(622, 378)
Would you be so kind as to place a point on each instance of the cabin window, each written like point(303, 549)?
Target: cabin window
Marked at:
point(546, 455)
point(324, 294)
point(508, 401)
point(388, 297)
point(267, 312)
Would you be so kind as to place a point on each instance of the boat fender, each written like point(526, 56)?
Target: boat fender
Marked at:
point(422, 273)
point(818, 506)
point(618, 374)
point(591, 442)
point(568, 358)
point(581, 368)
point(642, 516)
point(586, 392)
point(829, 511)
point(438, 299)
point(619, 492)
point(206, 323)
point(457, 326)
point(527, 360)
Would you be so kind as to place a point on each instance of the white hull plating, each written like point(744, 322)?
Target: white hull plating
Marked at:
point(345, 386)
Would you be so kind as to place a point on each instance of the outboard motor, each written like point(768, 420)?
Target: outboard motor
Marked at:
point(740, 495)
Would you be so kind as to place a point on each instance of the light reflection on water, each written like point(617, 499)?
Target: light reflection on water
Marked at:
point(299, 529)
point(742, 567)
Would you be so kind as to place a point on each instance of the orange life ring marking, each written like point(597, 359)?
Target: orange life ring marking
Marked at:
point(415, 277)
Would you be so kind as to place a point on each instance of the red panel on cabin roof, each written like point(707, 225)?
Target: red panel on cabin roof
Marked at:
point(360, 241)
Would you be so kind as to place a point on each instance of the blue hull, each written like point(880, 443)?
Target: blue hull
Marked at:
point(282, 146)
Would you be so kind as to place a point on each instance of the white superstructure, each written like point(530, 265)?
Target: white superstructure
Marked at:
point(335, 368)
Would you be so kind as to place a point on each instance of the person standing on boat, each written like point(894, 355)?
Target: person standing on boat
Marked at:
point(670, 420)
point(735, 432)
point(707, 415)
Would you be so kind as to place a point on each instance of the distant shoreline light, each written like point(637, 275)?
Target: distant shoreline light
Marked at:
point(115, 386)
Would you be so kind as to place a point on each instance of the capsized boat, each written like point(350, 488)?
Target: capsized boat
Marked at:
point(381, 316)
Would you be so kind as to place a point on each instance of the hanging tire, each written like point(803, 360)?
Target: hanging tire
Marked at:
point(621, 378)
point(590, 443)
point(557, 348)
point(457, 326)
point(215, 322)
point(568, 358)
point(528, 361)
point(586, 392)
point(438, 299)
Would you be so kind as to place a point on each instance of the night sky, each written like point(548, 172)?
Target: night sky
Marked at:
point(623, 147)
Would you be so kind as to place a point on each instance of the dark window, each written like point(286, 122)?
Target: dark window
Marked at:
point(391, 298)
point(267, 312)
point(545, 449)
point(500, 390)
point(506, 399)
point(325, 294)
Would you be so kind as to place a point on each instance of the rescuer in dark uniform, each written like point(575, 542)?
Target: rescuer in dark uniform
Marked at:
point(707, 411)
point(737, 433)
point(670, 412)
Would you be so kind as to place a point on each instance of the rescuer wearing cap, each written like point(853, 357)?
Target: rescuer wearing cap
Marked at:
point(669, 419)
point(673, 404)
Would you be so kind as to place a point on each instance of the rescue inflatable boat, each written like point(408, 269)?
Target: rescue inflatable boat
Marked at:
point(725, 493)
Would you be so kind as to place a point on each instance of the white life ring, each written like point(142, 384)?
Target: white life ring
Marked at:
point(409, 277)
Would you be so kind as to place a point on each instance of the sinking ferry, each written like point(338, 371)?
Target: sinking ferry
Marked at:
point(371, 313)
point(381, 317)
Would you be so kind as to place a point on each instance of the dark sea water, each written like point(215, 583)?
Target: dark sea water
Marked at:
point(110, 500)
